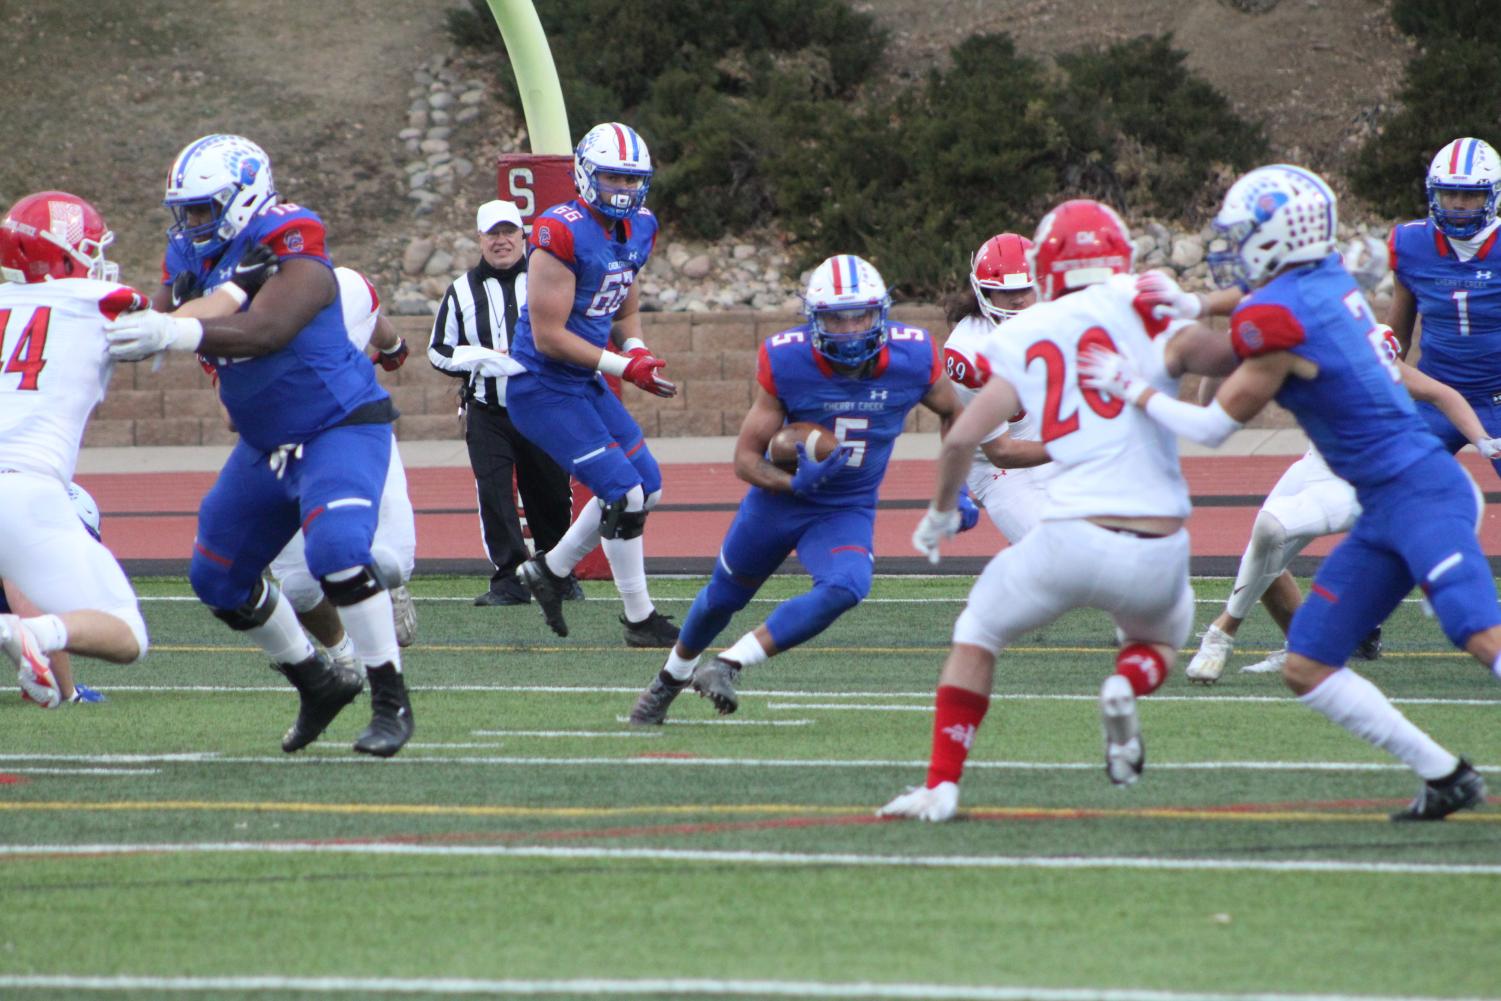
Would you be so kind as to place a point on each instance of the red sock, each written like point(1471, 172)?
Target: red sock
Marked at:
point(1143, 666)
point(957, 717)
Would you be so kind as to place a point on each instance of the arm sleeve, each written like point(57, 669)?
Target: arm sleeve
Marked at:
point(1206, 425)
point(447, 331)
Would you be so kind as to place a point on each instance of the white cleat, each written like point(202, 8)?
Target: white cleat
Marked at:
point(404, 611)
point(1209, 663)
point(1125, 754)
point(937, 804)
point(1272, 665)
point(33, 669)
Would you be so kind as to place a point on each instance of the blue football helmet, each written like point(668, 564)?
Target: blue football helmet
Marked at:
point(229, 174)
point(1464, 165)
point(847, 286)
point(612, 148)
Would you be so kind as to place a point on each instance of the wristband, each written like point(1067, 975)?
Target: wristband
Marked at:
point(234, 291)
point(611, 363)
point(187, 334)
point(632, 344)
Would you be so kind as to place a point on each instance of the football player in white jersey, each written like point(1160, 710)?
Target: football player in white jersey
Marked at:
point(1009, 470)
point(60, 293)
point(395, 544)
point(1112, 536)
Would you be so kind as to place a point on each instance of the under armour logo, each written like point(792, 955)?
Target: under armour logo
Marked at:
point(962, 734)
point(1146, 665)
point(1484, 276)
point(878, 394)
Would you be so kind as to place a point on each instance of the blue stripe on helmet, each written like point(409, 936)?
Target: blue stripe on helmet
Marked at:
point(181, 166)
point(635, 144)
point(1470, 156)
point(854, 273)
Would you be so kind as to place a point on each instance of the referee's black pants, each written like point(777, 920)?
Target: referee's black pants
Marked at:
point(496, 451)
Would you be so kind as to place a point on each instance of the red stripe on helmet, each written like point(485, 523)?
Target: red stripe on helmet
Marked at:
point(1454, 158)
point(834, 267)
point(620, 138)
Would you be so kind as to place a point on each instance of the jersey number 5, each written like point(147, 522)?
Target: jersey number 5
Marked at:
point(26, 357)
point(1054, 424)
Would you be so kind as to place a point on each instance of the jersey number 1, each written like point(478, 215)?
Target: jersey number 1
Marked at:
point(26, 357)
point(1054, 424)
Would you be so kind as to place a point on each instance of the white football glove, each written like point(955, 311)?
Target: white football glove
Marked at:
point(936, 527)
point(1165, 298)
point(138, 335)
point(1110, 373)
point(1489, 447)
point(937, 804)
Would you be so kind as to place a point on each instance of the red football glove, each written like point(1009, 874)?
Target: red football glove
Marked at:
point(641, 371)
point(393, 359)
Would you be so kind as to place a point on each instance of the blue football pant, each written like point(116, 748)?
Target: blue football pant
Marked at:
point(834, 546)
point(589, 433)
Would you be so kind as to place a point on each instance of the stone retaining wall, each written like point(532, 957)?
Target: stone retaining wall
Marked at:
point(712, 357)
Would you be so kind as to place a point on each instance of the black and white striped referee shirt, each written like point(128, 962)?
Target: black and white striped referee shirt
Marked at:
point(479, 308)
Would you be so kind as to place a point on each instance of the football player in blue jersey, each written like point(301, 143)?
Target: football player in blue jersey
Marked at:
point(314, 427)
point(1307, 338)
point(1448, 274)
point(848, 367)
point(584, 256)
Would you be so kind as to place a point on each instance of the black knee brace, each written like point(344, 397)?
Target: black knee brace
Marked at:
point(351, 590)
point(618, 523)
point(257, 608)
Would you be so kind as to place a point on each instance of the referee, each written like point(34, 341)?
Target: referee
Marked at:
point(476, 317)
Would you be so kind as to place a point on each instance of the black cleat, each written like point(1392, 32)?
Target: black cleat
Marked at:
point(549, 589)
point(507, 591)
point(324, 690)
point(1459, 790)
point(715, 681)
point(652, 704)
point(656, 630)
point(575, 592)
point(390, 716)
point(1370, 647)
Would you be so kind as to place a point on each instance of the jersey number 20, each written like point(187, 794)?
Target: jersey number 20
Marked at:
point(1054, 423)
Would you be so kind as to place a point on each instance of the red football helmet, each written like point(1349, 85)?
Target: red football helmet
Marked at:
point(1079, 243)
point(1000, 265)
point(53, 234)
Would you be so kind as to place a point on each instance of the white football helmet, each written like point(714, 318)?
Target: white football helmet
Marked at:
point(1464, 165)
point(848, 285)
point(230, 174)
point(1272, 217)
point(86, 509)
point(613, 148)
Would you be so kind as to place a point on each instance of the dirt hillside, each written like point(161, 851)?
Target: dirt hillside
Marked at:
point(106, 91)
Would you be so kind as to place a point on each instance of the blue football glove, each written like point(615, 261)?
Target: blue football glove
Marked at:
point(969, 514)
point(811, 475)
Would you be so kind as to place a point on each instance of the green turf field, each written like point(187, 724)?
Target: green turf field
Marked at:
point(528, 842)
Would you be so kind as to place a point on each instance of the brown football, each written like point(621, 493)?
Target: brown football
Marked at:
point(818, 441)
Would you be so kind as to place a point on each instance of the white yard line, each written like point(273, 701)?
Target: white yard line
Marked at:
point(720, 857)
point(727, 722)
point(338, 756)
point(782, 693)
point(83, 771)
point(672, 987)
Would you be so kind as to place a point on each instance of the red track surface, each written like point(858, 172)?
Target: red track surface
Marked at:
point(148, 515)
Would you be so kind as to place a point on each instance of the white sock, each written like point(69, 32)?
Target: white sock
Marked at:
point(1360, 707)
point(579, 541)
point(1496, 667)
point(679, 668)
point(49, 631)
point(1259, 566)
point(746, 651)
point(368, 624)
point(344, 649)
point(281, 635)
point(628, 566)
